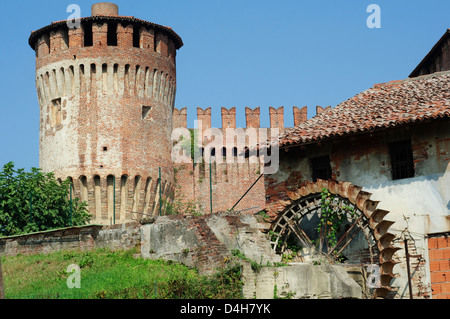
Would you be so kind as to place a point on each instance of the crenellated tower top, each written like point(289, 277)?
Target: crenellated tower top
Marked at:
point(106, 90)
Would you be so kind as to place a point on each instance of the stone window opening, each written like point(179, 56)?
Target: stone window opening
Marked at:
point(145, 112)
point(401, 159)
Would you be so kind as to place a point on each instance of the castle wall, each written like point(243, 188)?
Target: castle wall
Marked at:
point(233, 171)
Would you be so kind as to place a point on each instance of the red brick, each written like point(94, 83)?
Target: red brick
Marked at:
point(436, 254)
point(434, 265)
point(436, 288)
point(438, 276)
point(446, 253)
point(432, 243)
point(444, 265)
point(445, 288)
point(442, 242)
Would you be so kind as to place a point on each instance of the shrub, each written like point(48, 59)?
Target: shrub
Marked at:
point(35, 201)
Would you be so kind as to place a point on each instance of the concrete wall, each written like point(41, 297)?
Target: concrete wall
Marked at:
point(301, 281)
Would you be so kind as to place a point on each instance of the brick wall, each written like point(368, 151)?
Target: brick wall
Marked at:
point(124, 236)
point(230, 180)
point(439, 254)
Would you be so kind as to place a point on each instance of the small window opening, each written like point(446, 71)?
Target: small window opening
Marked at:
point(401, 159)
point(145, 111)
point(247, 152)
point(321, 168)
point(105, 148)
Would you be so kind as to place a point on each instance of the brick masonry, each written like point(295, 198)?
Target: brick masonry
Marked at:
point(106, 93)
point(124, 236)
point(439, 255)
point(231, 178)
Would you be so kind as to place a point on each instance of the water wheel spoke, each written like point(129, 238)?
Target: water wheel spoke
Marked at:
point(306, 242)
point(346, 235)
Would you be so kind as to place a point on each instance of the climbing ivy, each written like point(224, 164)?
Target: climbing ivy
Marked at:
point(332, 217)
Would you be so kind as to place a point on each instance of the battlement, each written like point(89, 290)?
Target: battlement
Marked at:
point(253, 116)
point(105, 28)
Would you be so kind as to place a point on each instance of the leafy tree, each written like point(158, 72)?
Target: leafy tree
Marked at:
point(35, 201)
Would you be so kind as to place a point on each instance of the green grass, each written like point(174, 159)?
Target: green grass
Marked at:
point(113, 274)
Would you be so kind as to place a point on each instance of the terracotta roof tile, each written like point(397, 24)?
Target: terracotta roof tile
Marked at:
point(384, 105)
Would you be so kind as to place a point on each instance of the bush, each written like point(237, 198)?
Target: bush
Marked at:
point(35, 201)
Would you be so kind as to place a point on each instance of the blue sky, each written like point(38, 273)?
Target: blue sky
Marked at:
point(236, 53)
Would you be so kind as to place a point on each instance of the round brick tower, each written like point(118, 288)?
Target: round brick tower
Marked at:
point(106, 94)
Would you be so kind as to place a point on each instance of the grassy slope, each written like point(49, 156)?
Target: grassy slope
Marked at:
point(107, 274)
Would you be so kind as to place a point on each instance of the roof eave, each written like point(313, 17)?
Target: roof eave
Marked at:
point(290, 144)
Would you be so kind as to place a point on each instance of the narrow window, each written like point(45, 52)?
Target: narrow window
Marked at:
point(127, 77)
point(72, 80)
point(112, 34)
point(224, 152)
point(88, 38)
point(246, 152)
point(136, 36)
point(321, 168)
point(145, 111)
point(116, 77)
point(401, 159)
point(105, 78)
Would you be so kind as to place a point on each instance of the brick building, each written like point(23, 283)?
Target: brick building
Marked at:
point(386, 153)
point(106, 94)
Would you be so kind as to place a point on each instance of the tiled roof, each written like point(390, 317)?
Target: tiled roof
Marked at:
point(383, 106)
